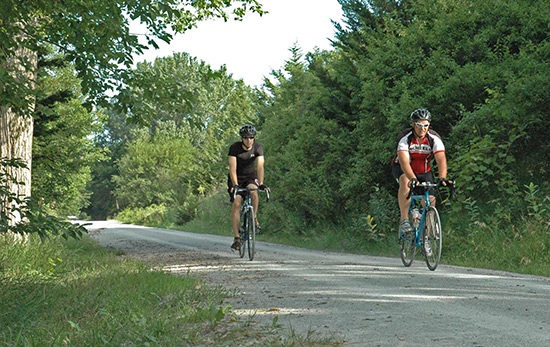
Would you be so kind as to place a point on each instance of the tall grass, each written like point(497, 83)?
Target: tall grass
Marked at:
point(521, 246)
point(76, 293)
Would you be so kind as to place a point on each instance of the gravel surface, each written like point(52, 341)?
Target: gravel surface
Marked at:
point(360, 300)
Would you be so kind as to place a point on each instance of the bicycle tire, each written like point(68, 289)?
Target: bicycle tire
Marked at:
point(432, 233)
point(243, 234)
point(407, 245)
point(251, 234)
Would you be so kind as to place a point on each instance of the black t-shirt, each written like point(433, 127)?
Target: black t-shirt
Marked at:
point(245, 159)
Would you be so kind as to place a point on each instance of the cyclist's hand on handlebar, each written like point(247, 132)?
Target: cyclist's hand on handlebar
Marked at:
point(445, 182)
point(234, 189)
point(266, 189)
point(412, 184)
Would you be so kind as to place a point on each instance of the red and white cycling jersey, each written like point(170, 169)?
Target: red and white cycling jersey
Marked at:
point(422, 152)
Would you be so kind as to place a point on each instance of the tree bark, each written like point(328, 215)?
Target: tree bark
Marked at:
point(16, 142)
point(16, 130)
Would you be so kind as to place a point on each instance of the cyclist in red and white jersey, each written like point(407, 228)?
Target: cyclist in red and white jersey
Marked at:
point(416, 148)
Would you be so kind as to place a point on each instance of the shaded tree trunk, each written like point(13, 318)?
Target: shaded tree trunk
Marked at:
point(16, 130)
point(16, 142)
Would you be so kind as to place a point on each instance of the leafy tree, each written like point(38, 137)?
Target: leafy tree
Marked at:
point(158, 168)
point(479, 68)
point(456, 58)
point(300, 137)
point(188, 109)
point(111, 140)
point(63, 152)
point(94, 36)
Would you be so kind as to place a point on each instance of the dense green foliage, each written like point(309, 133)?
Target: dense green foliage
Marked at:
point(328, 122)
point(189, 113)
point(392, 59)
point(63, 153)
point(480, 68)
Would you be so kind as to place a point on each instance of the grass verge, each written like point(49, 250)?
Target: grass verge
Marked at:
point(76, 293)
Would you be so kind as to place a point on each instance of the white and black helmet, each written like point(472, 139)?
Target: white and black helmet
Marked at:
point(421, 114)
point(247, 130)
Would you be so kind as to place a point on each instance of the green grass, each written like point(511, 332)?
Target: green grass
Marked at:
point(76, 293)
point(522, 247)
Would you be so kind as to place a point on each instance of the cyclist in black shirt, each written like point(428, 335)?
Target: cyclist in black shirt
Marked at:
point(246, 169)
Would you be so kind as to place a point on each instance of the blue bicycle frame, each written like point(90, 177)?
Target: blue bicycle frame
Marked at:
point(427, 234)
point(421, 209)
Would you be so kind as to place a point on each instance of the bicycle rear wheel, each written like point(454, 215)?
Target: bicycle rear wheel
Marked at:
point(407, 245)
point(251, 224)
point(432, 240)
point(243, 233)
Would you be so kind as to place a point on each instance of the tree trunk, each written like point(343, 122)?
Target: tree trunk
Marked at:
point(16, 130)
point(16, 142)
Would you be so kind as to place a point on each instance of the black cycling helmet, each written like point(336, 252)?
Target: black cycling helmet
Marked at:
point(421, 114)
point(247, 130)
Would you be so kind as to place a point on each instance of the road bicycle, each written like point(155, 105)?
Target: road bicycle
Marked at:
point(247, 230)
point(427, 232)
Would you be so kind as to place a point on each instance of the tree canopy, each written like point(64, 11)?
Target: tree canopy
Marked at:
point(480, 70)
point(94, 38)
point(95, 35)
point(189, 112)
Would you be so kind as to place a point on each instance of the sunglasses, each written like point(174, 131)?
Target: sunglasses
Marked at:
point(248, 137)
point(420, 125)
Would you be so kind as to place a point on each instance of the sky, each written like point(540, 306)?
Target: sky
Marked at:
point(251, 49)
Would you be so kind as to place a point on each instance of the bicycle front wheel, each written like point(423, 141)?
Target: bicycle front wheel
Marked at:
point(243, 233)
point(407, 243)
point(432, 240)
point(251, 223)
point(408, 249)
